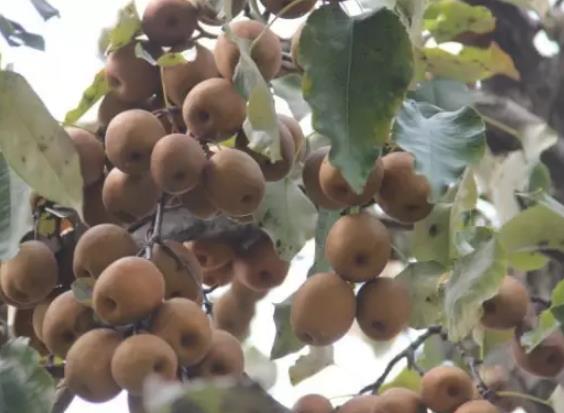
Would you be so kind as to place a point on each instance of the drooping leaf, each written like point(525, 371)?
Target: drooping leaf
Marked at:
point(15, 211)
point(474, 279)
point(431, 235)
point(406, 379)
point(325, 220)
point(471, 64)
point(25, 387)
point(128, 25)
point(288, 216)
point(93, 93)
point(260, 368)
point(426, 292)
point(45, 9)
point(289, 88)
point(446, 19)
point(82, 289)
point(464, 201)
point(443, 143)
point(285, 341)
point(341, 55)
point(546, 325)
point(310, 364)
point(446, 94)
point(35, 146)
point(16, 35)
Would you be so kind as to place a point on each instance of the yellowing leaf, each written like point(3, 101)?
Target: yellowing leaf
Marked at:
point(97, 89)
point(36, 146)
point(127, 26)
point(471, 64)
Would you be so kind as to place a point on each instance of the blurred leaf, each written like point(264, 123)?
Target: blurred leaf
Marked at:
point(443, 143)
point(446, 19)
point(289, 88)
point(177, 58)
point(36, 146)
point(310, 364)
point(431, 236)
point(15, 35)
point(557, 301)
point(15, 211)
point(540, 180)
point(82, 289)
point(475, 278)
point(471, 64)
point(464, 201)
point(25, 387)
point(546, 325)
point(434, 353)
point(45, 9)
point(128, 25)
point(287, 215)
point(260, 368)
point(341, 55)
point(426, 291)
point(406, 379)
point(285, 341)
point(490, 339)
point(446, 94)
point(325, 220)
point(93, 93)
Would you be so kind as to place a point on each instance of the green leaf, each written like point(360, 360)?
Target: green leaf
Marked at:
point(491, 339)
point(35, 146)
point(464, 201)
point(546, 325)
point(426, 292)
point(285, 341)
point(446, 94)
point(431, 236)
point(443, 143)
point(15, 211)
point(406, 379)
point(93, 93)
point(341, 55)
point(475, 278)
point(289, 88)
point(310, 364)
point(177, 58)
point(325, 220)
point(540, 180)
point(128, 25)
point(471, 64)
point(25, 387)
point(446, 19)
point(287, 215)
point(82, 289)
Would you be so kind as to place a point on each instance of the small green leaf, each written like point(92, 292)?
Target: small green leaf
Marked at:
point(177, 58)
point(310, 364)
point(431, 236)
point(406, 379)
point(15, 211)
point(540, 180)
point(35, 146)
point(82, 290)
point(93, 93)
point(426, 291)
point(446, 19)
point(285, 341)
point(341, 55)
point(325, 220)
point(446, 94)
point(443, 143)
point(475, 278)
point(471, 64)
point(128, 25)
point(546, 325)
point(289, 88)
point(464, 201)
point(25, 387)
point(288, 216)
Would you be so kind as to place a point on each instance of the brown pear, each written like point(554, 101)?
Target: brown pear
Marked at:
point(22, 326)
point(334, 185)
point(93, 209)
point(128, 290)
point(88, 371)
point(130, 139)
point(233, 314)
point(99, 246)
point(445, 388)
point(169, 22)
point(323, 309)
point(297, 135)
point(129, 198)
point(183, 325)
point(403, 194)
point(213, 110)
point(312, 403)
point(90, 153)
point(197, 203)
point(65, 321)
point(267, 52)
point(282, 8)
point(181, 271)
point(277, 170)
point(545, 360)
point(219, 276)
point(358, 247)
point(508, 307)
point(111, 106)
point(224, 358)
point(260, 268)
point(139, 356)
point(31, 275)
point(310, 175)
point(401, 400)
point(234, 182)
point(373, 304)
point(180, 79)
point(477, 406)
point(211, 253)
point(132, 79)
point(361, 404)
point(177, 163)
